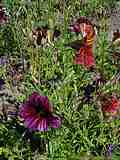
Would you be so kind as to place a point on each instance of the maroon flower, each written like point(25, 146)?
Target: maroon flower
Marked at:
point(41, 35)
point(76, 27)
point(98, 79)
point(84, 56)
point(3, 15)
point(110, 105)
point(38, 113)
point(2, 82)
point(116, 35)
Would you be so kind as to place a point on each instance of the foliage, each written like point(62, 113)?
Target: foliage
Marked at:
point(84, 134)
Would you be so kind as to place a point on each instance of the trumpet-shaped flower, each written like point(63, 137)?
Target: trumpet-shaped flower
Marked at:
point(38, 114)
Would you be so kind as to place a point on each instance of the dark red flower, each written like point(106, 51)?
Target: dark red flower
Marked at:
point(38, 34)
point(116, 35)
point(116, 56)
point(76, 27)
point(3, 15)
point(38, 114)
point(110, 105)
point(85, 55)
point(43, 33)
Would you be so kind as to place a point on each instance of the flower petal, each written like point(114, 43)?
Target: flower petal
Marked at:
point(26, 111)
point(42, 125)
point(42, 101)
point(29, 121)
point(35, 119)
point(54, 121)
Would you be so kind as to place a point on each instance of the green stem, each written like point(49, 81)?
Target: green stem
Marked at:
point(48, 144)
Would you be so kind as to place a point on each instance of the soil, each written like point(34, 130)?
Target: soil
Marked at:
point(114, 21)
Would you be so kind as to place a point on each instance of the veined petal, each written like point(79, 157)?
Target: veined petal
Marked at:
point(33, 123)
point(42, 125)
point(54, 121)
point(36, 113)
point(29, 121)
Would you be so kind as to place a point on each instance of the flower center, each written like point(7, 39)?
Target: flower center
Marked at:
point(40, 109)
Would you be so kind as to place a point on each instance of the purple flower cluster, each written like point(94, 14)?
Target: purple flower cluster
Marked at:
point(3, 60)
point(109, 150)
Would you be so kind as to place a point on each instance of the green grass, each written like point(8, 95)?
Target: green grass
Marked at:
point(82, 133)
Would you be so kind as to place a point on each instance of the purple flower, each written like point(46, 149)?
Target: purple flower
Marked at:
point(2, 82)
point(109, 150)
point(3, 60)
point(38, 114)
point(88, 90)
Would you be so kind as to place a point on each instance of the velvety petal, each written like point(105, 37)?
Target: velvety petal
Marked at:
point(112, 106)
point(89, 58)
point(85, 57)
point(35, 119)
point(75, 28)
point(82, 25)
point(79, 57)
point(3, 15)
point(54, 121)
point(26, 111)
point(32, 98)
point(2, 82)
point(87, 29)
point(83, 19)
point(42, 101)
point(28, 121)
point(116, 35)
point(42, 125)
point(34, 122)
point(110, 110)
